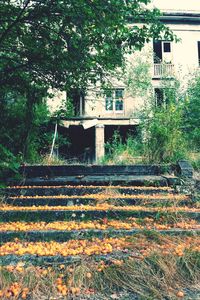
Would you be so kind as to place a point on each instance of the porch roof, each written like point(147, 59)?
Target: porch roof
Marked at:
point(88, 122)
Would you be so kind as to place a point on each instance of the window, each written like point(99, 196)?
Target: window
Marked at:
point(119, 99)
point(157, 49)
point(160, 48)
point(159, 96)
point(109, 100)
point(166, 47)
point(198, 45)
point(163, 96)
point(114, 100)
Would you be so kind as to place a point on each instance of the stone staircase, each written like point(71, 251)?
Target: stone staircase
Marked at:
point(66, 203)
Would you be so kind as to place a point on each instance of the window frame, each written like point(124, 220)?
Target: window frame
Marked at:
point(160, 47)
point(116, 100)
point(165, 48)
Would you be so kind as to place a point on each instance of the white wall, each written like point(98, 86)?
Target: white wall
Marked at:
point(185, 52)
point(184, 58)
point(178, 5)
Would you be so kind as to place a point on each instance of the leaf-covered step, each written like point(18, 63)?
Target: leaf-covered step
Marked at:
point(112, 198)
point(86, 212)
point(138, 245)
point(61, 231)
point(82, 190)
point(104, 224)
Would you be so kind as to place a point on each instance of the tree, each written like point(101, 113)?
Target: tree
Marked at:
point(67, 44)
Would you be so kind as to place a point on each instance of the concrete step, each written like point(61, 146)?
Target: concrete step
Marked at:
point(93, 199)
point(63, 236)
point(93, 170)
point(83, 190)
point(68, 213)
point(130, 180)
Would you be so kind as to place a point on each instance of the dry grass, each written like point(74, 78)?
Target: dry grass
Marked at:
point(158, 276)
point(155, 277)
point(53, 160)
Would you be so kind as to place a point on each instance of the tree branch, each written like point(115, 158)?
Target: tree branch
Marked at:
point(2, 37)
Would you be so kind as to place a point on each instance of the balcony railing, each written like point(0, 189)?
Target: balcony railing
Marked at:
point(163, 70)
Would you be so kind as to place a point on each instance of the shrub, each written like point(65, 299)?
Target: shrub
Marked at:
point(9, 164)
point(192, 112)
point(164, 140)
point(118, 152)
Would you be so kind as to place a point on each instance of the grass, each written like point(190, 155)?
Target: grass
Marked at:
point(195, 160)
point(154, 277)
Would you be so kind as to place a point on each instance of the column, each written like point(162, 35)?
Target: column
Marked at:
point(99, 142)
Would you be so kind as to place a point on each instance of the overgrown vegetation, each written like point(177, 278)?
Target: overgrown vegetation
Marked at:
point(119, 152)
point(169, 128)
point(192, 112)
point(47, 45)
point(22, 140)
point(155, 277)
point(161, 138)
point(164, 139)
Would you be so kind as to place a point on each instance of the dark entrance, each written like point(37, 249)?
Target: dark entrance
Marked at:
point(123, 130)
point(82, 147)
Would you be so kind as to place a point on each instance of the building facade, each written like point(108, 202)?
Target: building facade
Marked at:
point(101, 113)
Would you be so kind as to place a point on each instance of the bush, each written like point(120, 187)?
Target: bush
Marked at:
point(164, 140)
point(118, 152)
point(192, 113)
point(9, 164)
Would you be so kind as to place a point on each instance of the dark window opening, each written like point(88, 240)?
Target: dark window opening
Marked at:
point(159, 97)
point(198, 43)
point(157, 50)
point(167, 47)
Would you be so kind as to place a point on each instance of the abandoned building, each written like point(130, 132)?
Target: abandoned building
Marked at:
point(99, 114)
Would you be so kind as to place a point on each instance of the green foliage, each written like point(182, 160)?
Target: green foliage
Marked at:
point(195, 160)
point(19, 134)
point(9, 163)
point(50, 43)
point(22, 139)
point(138, 77)
point(164, 140)
point(162, 122)
point(65, 45)
point(118, 152)
point(66, 109)
point(192, 112)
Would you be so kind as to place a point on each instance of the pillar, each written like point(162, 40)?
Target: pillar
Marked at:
point(99, 142)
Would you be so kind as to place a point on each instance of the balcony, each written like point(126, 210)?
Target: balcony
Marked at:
point(163, 71)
